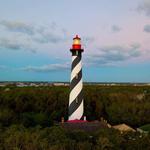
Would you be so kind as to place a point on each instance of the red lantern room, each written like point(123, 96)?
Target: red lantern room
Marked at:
point(76, 46)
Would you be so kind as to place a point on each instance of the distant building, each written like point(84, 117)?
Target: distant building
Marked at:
point(123, 128)
point(83, 125)
point(60, 84)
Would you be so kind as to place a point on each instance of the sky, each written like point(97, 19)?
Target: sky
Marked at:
point(36, 37)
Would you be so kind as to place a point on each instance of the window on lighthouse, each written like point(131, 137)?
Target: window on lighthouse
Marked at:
point(76, 76)
point(76, 42)
point(76, 52)
point(76, 100)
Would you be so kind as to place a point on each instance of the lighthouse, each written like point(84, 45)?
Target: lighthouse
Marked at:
point(76, 103)
point(76, 119)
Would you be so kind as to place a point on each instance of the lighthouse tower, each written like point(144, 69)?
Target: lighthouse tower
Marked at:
point(76, 85)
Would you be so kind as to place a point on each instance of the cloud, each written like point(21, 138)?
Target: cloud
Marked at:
point(144, 6)
point(6, 43)
point(109, 55)
point(86, 40)
point(39, 34)
point(115, 28)
point(17, 26)
point(2, 67)
point(15, 44)
point(50, 34)
point(17, 35)
point(47, 68)
point(147, 28)
point(45, 36)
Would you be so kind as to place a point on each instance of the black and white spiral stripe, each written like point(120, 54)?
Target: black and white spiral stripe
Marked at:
point(76, 89)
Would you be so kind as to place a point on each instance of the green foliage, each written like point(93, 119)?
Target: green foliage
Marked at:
point(146, 127)
point(17, 137)
point(34, 110)
point(6, 116)
point(78, 135)
point(136, 141)
point(32, 119)
point(44, 105)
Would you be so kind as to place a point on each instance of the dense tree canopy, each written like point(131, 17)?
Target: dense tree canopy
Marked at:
point(28, 116)
point(17, 137)
point(43, 106)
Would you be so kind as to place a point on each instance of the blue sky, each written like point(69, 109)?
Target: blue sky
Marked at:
point(35, 38)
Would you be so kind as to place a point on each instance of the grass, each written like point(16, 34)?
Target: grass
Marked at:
point(145, 127)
